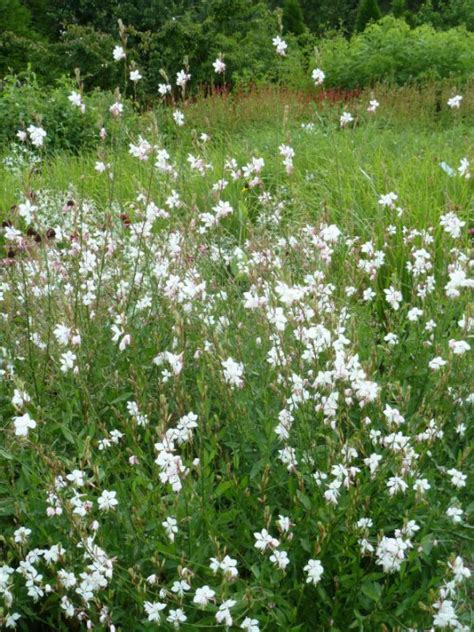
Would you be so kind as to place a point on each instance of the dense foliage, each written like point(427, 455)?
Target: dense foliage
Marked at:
point(235, 376)
point(56, 37)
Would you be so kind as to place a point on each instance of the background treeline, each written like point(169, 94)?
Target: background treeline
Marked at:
point(414, 39)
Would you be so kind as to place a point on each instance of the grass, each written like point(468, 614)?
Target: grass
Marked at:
point(161, 305)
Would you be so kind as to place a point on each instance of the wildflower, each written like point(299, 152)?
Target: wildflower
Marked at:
point(116, 109)
point(314, 570)
point(203, 596)
point(228, 566)
point(21, 535)
point(452, 224)
point(391, 553)
point(373, 105)
point(118, 53)
point(233, 372)
point(280, 559)
point(11, 619)
point(388, 200)
point(171, 527)
point(455, 514)
point(318, 76)
point(76, 99)
point(345, 119)
point(436, 363)
point(421, 485)
point(250, 625)
point(446, 616)
point(458, 479)
point(396, 484)
point(223, 614)
point(219, 66)
point(164, 89)
point(459, 347)
point(265, 541)
point(153, 610)
point(37, 135)
point(455, 102)
point(178, 118)
point(68, 360)
point(182, 78)
point(176, 617)
point(463, 169)
point(135, 75)
point(107, 500)
point(280, 46)
point(393, 297)
point(23, 424)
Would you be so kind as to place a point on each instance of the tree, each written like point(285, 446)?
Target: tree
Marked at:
point(293, 21)
point(14, 17)
point(367, 11)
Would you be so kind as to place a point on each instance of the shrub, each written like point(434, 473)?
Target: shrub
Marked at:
point(390, 51)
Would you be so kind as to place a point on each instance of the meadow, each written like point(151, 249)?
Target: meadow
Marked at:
point(235, 366)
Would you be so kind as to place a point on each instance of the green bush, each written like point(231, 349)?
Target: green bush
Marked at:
point(390, 51)
point(23, 102)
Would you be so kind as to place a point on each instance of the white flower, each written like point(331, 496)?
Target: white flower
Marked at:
point(10, 621)
point(446, 616)
point(280, 559)
point(178, 118)
point(373, 105)
point(118, 53)
point(171, 527)
point(318, 76)
point(153, 610)
point(455, 102)
point(23, 424)
point(21, 135)
point(203, 596)
point(391, 553)
point(280, 45)
point(233, 372)
point(314, 570)
point(250, 625)
point(68, 360)
point(345, 119)
point(393, 297)
point(37, 135)
point(182, 78)
point(176, 617)
point(458, 479)
point(116, 109)
point(455, 514)
point(452, 224)
point(421, 485)
point(219, 66)
point(264, 540)
point(21, 535)
point(164, 89)
point(388, 200)
point(107, 500)
point(223, 614)
point(463, 169)
point(459, 347)
point(76, 100)
point(135, 75)
point(436, 363)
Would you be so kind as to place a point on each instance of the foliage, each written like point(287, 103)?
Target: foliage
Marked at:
point(367, 11)
point(123, 302)
point(389, 50)
point(24, 102)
